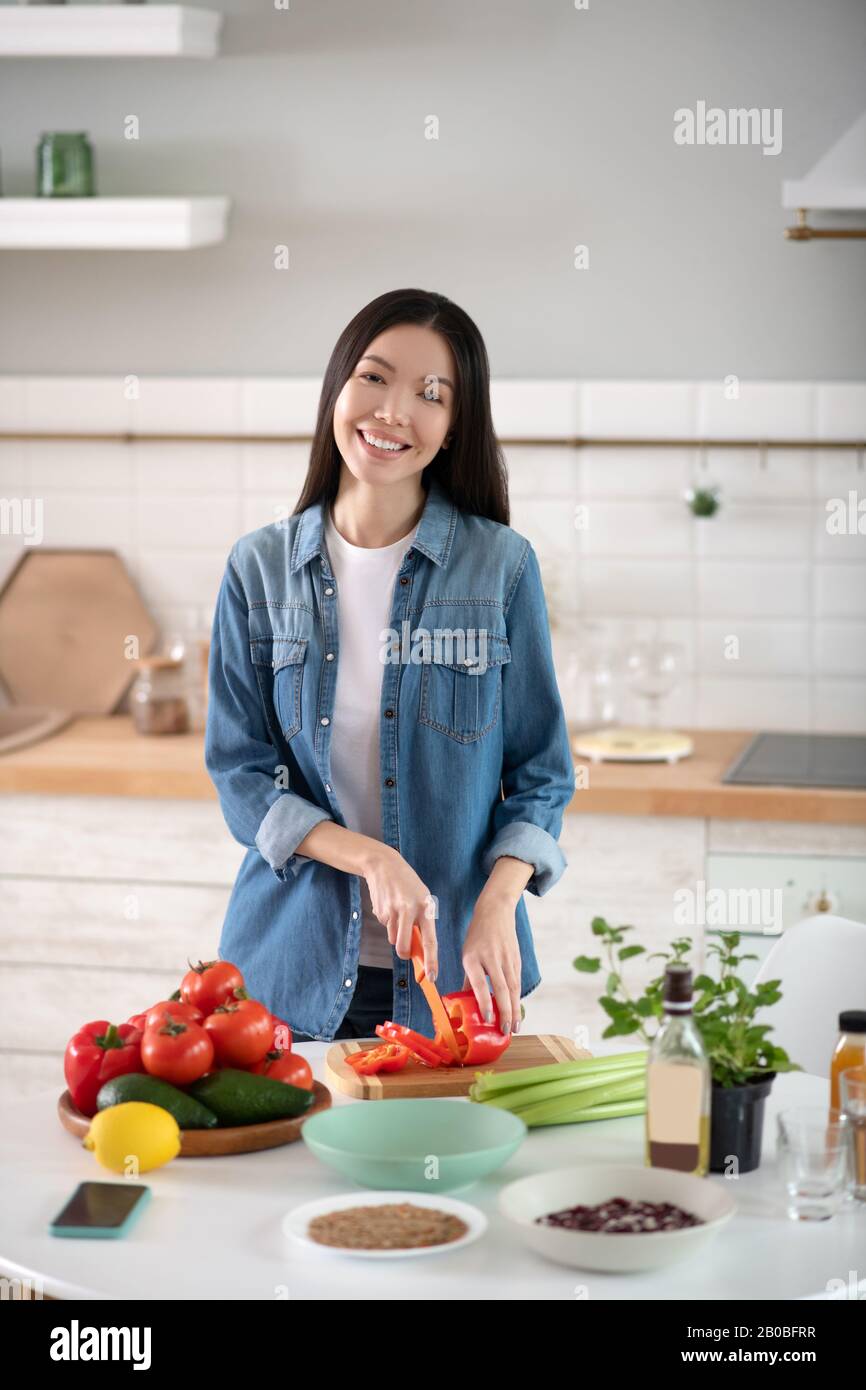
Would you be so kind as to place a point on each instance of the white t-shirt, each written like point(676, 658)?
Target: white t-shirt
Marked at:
point(365, 587)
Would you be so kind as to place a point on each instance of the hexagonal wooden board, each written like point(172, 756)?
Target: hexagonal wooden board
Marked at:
point(66, 617)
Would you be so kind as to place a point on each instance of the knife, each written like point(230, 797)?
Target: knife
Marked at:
point(431, 994)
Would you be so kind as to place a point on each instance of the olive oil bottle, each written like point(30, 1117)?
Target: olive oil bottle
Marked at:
point(678, 1084)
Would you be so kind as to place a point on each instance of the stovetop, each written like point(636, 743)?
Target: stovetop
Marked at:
point(801, 760)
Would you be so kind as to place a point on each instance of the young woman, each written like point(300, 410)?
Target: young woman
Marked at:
point(384, 727)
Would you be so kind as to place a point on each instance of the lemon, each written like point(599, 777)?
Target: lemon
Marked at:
point(134, 1132)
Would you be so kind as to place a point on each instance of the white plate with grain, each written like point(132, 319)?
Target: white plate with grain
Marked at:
point(325, 1217)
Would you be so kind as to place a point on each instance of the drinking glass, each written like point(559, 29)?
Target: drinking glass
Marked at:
point(852, 1094)
point(813, 1159)
point(598, 673)
point(591, 676)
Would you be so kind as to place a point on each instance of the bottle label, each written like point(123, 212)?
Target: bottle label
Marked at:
point(674, 1115)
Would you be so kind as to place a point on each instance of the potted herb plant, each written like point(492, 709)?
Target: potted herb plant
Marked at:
point(743, 1062)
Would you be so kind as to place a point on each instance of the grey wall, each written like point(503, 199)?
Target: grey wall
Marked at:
point(555, 129)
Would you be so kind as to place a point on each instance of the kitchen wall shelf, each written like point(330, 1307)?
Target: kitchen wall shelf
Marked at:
point(109, 31)
point(121, 224)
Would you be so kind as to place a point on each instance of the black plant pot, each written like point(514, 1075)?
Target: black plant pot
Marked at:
point(737, 1124)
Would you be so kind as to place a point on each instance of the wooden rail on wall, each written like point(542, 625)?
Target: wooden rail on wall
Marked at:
point(567, 441)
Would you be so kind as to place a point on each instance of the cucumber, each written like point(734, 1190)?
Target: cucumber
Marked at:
point(244, 1098)
point(189, 1113)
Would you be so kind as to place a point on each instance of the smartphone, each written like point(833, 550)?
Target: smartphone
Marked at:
point(101, 1210)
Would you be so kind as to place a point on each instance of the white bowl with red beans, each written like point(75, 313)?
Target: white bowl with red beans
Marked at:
point(616, 1218)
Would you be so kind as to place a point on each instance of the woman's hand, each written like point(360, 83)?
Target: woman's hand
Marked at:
point(491, 948)
point(400, 898)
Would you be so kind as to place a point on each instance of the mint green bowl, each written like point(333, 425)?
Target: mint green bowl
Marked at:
point(417, 1145)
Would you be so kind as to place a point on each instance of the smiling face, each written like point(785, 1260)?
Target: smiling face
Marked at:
point(394, 412)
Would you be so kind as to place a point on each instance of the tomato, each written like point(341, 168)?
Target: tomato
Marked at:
point(209, 984)
point(177, 1009)
point(241, 1032)
point(290, 1067)
point(282, 1035)
point(176, 1051)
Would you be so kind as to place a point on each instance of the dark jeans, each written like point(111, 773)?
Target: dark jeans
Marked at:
point(372, 1003)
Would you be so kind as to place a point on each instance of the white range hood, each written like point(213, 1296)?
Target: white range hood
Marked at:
point(838, 181)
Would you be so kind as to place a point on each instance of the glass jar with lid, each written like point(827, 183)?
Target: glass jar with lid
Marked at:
point(64, 165)
point(158, 697)
point(850, 1049)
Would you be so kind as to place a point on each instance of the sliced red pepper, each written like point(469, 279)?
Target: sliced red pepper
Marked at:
point(426, 1050)
point(478, 1040)
point(389, 1057)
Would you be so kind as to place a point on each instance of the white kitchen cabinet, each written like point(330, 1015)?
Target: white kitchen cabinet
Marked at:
point(767, 893)
point(102, 902)
point(103, 899)
point(623, 868)
point(635, 869)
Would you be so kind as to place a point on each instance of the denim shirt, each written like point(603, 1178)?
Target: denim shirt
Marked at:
point(474, 759)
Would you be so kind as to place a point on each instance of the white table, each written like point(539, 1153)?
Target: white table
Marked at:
point(212, 1229)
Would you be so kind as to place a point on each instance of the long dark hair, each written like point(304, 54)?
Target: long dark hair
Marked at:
point(472, 469)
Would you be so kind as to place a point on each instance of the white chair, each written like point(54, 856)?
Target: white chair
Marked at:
point(821, 963)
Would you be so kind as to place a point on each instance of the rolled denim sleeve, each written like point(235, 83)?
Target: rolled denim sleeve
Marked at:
point(537, 768)
point(240, 754)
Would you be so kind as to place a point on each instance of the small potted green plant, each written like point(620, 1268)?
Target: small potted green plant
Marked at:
point(702, 501)
point(743, 1062)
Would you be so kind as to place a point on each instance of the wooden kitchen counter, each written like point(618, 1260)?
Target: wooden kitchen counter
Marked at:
point(693, 787)
point(106, 757)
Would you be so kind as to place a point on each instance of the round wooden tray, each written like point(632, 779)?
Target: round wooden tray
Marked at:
point(627, 745)
point(208, 1143)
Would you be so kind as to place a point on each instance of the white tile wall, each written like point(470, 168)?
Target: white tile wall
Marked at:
point(755, 409)
point(765, 568)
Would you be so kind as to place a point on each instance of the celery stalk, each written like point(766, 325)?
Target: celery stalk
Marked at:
point(490, 1082)
point(563, 1085)
point(590, 1113)
point(560, 1109)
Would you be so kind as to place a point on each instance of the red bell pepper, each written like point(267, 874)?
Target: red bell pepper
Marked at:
point(97, 1053)
point(478, 1040)
point(388, 1057)
point(426, 1050)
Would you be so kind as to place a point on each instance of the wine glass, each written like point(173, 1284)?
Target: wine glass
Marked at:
point(652, 671)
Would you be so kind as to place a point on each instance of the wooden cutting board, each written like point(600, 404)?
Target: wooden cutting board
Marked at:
point(526, 1050)
point(84, 607)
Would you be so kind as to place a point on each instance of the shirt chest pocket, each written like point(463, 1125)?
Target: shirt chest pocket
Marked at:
point(461, 697)
point(285, 658)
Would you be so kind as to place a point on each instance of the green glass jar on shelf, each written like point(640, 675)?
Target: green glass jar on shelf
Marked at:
point(64, 165)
